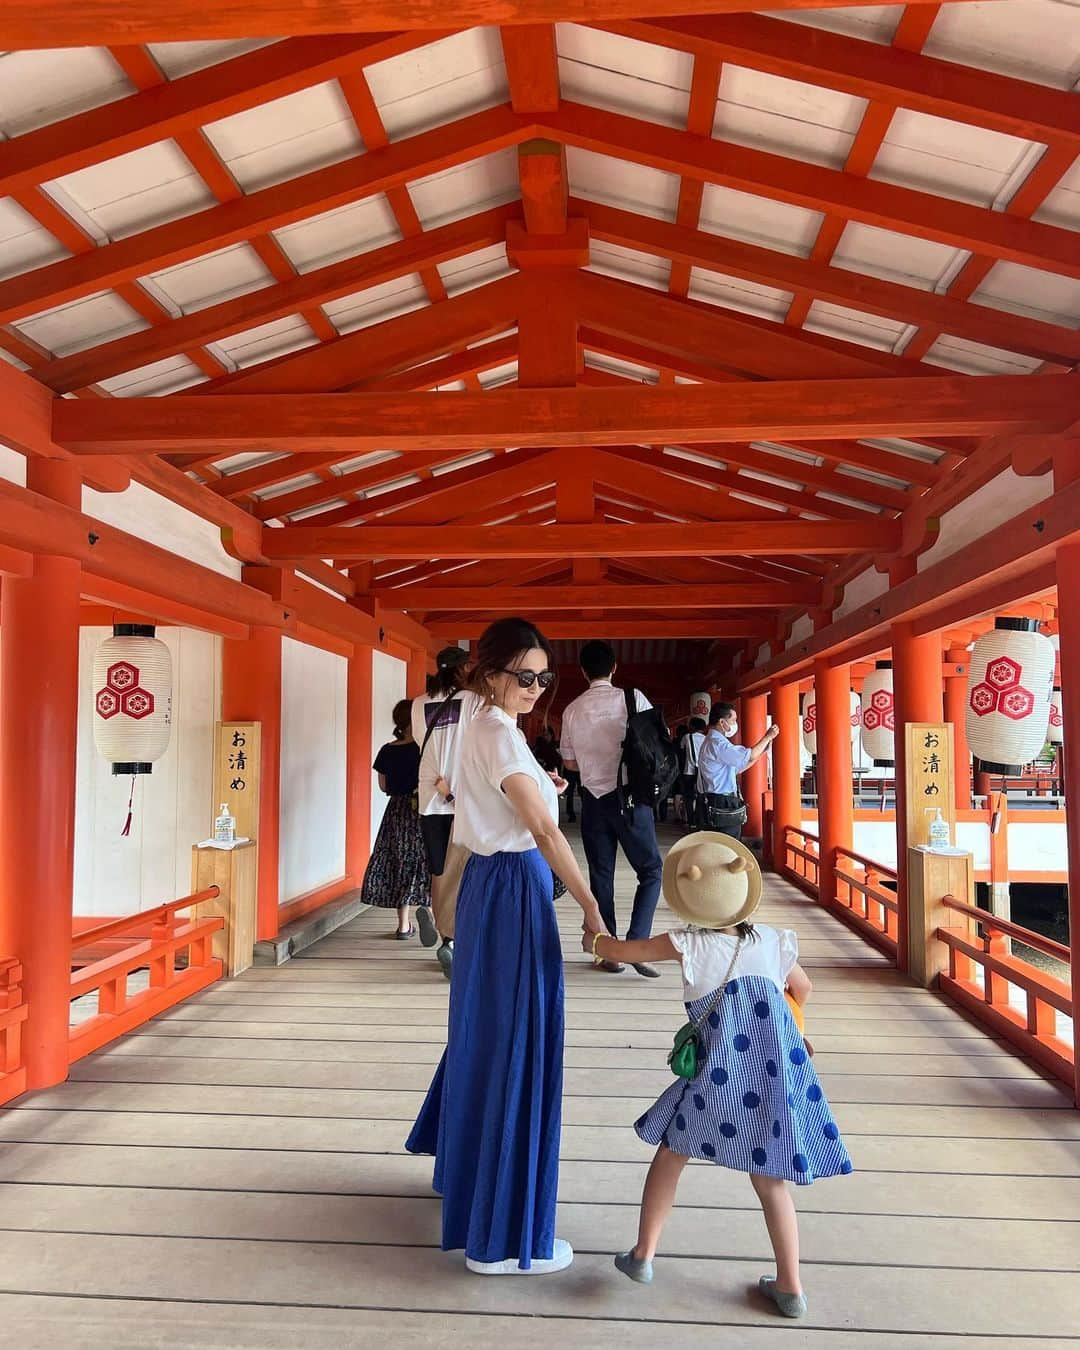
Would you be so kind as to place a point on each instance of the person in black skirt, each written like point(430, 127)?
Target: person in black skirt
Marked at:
point(397, 876)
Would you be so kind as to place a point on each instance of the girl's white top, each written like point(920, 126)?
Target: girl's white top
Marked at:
point(492, 750)
point(706, 955)
point(444, 745)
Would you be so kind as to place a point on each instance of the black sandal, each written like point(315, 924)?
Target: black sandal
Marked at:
point(404, 937)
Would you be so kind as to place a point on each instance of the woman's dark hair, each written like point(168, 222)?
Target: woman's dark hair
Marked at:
point(720, 711)
point(681, 730)
point(597, 659)
point(502, 645)
point(402, 719)
point(451, 673)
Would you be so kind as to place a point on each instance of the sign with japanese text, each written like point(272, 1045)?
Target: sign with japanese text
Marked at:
point(929, 779)
point(236, 773)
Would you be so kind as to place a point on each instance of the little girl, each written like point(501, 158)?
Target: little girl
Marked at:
point(755, 1104)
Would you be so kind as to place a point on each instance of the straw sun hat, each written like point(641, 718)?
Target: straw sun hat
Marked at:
point(712, 880)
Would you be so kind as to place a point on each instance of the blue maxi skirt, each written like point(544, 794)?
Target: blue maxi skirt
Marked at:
point(493, 1113)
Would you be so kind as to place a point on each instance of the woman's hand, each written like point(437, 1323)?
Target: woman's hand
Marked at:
point(593, 923)
point(442, 787)
point(560, 783)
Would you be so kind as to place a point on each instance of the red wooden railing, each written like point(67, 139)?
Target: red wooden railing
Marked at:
point(12, 1016)
point(1032, 1028)
point(868, 906)
point(862, 900)
point(155, 939)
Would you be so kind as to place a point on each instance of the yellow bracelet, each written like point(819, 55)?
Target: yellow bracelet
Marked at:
point(596, 939)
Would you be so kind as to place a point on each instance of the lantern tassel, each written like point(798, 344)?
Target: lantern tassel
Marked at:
point(127, 823)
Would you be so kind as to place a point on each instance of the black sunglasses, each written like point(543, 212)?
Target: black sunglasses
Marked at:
point(527, 678)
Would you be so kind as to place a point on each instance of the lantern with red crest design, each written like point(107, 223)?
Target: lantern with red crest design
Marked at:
point(132, 682)
point(879, 715)
point(1009, 695)
point(1055, 730)
point(809, 721)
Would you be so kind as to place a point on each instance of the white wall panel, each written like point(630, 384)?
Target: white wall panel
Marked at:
point(149, 516)
point(387, 688)
point(173, 806)
point(313, 743)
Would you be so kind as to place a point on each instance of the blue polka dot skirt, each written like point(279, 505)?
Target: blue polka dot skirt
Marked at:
point(756, 1104)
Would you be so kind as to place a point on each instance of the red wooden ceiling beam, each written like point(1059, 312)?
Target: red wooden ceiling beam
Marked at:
point(872, 71)
point(67, 373)
point(514, 599)
point(189, 103)
point(1047, 247)
point(270, 208)
point(532, 67)
point(344, 484)
point(584, 541)
point(870, 295)
point(44, 23)
point(780, 410)
point(633, 626)
point(645, 478)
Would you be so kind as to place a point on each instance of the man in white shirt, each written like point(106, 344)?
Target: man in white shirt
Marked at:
point(719, 765)
point(690, 751)
point(593, 731)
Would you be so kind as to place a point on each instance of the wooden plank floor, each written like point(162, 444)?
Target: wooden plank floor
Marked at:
point(233, 1175)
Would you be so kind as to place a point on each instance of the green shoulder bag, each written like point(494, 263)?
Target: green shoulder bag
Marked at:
point(683, 1059)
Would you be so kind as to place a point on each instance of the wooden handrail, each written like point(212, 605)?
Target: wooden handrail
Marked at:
point(1031, 939)
point(883, 868)
point(794, 829)
point(115, 927)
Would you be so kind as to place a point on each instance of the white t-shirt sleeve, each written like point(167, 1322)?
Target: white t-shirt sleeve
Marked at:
point(686, 944)
point(641, 702)
point(500, 753)
point(419, 723)
point(789, 951)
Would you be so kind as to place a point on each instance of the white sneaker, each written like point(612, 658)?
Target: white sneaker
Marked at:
point(562, 1255)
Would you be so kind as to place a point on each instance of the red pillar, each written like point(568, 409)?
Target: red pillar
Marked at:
point(756, 779)
point(358, 765)
point(918, 698)
point(1068, 580)
point(39, 691)
point(251, 692)
point(416, 673)
point(955, 677)
point(832, 693)
point(787, 797)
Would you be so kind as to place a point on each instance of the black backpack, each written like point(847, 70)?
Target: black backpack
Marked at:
point(650, 762)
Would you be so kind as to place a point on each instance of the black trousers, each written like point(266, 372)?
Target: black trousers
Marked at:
point(605, 828)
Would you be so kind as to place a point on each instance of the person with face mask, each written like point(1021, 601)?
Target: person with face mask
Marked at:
point(720, 803)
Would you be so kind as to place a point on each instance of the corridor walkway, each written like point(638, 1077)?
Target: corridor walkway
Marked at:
point(233, 1175)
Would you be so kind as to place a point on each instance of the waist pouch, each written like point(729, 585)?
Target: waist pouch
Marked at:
point(724, 810)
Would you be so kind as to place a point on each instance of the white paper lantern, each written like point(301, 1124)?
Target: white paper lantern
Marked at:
point(856, 718)
point(701, 705)
point(132, 698)
point(879, 715)
point(809, 721)
point(1009, 687)
point(1055, 731)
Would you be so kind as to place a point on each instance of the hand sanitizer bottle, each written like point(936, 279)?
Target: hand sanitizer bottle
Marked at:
point(224, 826)
point(939, 831)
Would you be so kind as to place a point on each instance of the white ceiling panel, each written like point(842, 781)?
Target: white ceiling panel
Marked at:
point(38, 87)
point(376, 304)
point(617, 182)
point(341, 233)
point(268, 340)
point(209, 280)
point(507, 374)
point(868, 330)
point(183, 58)
point(974, 359)
point(289, 136)
point(747, 297)
point(950, 158)
point(616, 366)
point(623, 75)
point(786, 117)
point(875, 23)
point(23, 242)
point(612, 260)
point(1032, 39)
point(137, 191)
point(465, 189)
point(163, 377)
point(1023, 290)
point(897, 257)
point(1062, 205)
point(82, 323)
point(438, 83)
point(474, 269)
point(759, 220)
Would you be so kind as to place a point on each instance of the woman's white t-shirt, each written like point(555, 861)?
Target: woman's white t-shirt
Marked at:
point(492, 750)
point(444, 746)
point(706, 955)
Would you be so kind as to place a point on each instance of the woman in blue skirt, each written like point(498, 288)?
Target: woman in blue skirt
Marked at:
point(493, 1114)
point(754, 1103)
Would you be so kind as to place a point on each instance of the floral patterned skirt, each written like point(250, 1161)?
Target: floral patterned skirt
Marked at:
point(398, 871)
